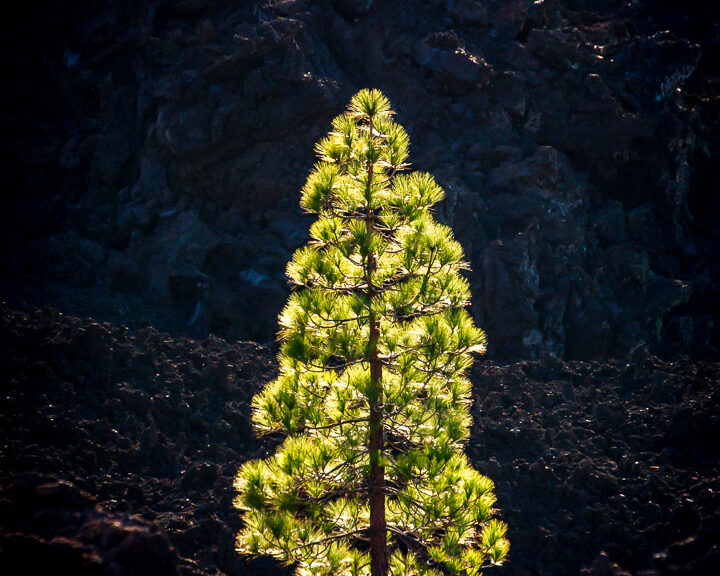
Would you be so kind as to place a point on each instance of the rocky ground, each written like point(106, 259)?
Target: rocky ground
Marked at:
point(120, 446)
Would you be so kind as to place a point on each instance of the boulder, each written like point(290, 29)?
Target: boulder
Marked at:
point(443, 53)
point(54, 527)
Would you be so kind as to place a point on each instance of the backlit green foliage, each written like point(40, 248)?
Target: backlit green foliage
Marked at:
point(376, 256)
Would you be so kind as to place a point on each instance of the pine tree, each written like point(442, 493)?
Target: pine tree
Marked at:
point(371, 394)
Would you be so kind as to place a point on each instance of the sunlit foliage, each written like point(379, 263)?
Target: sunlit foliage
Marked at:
point(372, 397)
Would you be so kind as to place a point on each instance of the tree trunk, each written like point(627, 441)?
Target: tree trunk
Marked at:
point(378, 527)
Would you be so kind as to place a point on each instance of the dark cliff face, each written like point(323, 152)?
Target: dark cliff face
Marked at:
point(155, 152)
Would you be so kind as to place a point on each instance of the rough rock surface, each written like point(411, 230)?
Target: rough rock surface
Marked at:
point(601, 468)
point(155, 150)
point(50, 527)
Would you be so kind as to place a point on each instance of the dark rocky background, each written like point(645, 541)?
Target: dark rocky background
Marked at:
point(153, 154)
